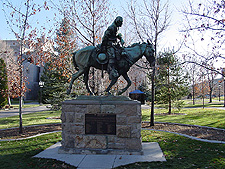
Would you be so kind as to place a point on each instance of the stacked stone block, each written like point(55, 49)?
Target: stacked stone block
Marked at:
point(127, 139)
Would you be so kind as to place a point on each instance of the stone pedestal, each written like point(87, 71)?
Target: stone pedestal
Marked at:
point(101, 125)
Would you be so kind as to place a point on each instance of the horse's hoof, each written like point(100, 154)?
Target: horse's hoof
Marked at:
point(121, 92)
point(68, 91)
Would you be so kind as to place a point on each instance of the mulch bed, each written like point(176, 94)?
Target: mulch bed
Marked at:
point(199, 132)
point(28, 131)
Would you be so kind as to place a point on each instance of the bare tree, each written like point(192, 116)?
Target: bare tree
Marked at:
point(205, 26)
point(89, 18)
point(149, 19)
point(204, 31)
point(211, 83)
point(192, 70)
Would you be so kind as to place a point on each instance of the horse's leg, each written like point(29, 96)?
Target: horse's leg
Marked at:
point(125, 76)
point(86, 81)
point(74, 77)
point(113, 81)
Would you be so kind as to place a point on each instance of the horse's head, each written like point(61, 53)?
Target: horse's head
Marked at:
point(149, 53)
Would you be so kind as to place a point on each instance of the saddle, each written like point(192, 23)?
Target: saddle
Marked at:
point(103, 58)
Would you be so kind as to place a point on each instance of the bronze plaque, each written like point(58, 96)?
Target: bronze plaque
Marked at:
point(100, 124)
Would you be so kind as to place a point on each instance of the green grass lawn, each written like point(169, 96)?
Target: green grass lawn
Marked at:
point(30, 119)
point(18, 154)
point(180, 153)
point(203, 117)
point(199, 103)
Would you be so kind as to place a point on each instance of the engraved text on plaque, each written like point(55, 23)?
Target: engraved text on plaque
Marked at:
point(100, 124)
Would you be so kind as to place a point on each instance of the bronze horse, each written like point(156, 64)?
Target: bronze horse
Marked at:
point(85, 58)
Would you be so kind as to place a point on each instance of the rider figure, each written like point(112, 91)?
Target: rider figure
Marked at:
point(109, 41)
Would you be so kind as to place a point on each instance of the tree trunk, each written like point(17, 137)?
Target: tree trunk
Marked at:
point(152, 123)
point(193, 92)
point(168, 81)
point(203, 97)
point(210, 96)
point(153, 97)
point(21, 87)
point(20, 115)
point(224, 92)
point(9, 101)
point(203, 101)
point(170, 105)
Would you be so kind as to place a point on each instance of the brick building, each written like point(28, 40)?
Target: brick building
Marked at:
point(10, 49)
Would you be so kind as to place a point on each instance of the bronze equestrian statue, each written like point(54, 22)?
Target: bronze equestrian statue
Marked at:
point(110, 56)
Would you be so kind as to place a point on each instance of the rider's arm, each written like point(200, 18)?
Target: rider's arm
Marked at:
point(119, 36)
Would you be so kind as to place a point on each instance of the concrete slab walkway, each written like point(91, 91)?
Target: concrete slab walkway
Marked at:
point(152, 152)
point(15, 112)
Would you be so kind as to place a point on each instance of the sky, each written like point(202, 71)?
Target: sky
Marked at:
point(42, 18)
point(171, 38)
point(5, 32)
point(172, 33)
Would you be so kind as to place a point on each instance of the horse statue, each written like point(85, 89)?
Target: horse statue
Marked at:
point(85, 58)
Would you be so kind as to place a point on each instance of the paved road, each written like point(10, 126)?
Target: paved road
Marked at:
point(15, 112)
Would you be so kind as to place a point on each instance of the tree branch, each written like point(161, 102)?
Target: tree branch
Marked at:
point(201, 65)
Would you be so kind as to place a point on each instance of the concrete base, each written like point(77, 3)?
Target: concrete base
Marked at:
point(152, 152)
point(63, 150)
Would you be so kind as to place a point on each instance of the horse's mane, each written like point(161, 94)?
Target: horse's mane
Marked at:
point(135, 44)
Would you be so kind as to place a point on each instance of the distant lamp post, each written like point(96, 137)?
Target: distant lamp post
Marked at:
point(41, 84)
point(219, 91)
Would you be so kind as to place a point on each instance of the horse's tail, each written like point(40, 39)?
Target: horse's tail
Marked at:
point(74, 62)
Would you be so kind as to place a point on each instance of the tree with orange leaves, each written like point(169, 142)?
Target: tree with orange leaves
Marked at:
point(7, 54)
point(58, 70)
point(18, 17)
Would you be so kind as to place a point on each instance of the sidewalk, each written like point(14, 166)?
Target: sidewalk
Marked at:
point(221, 108)
point(145, 106)
point(152, 152)
point(15, 112)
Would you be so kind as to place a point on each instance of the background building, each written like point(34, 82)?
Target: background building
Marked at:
point(31, 71)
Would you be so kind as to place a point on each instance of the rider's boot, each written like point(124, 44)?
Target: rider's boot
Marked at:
point(113, 73)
